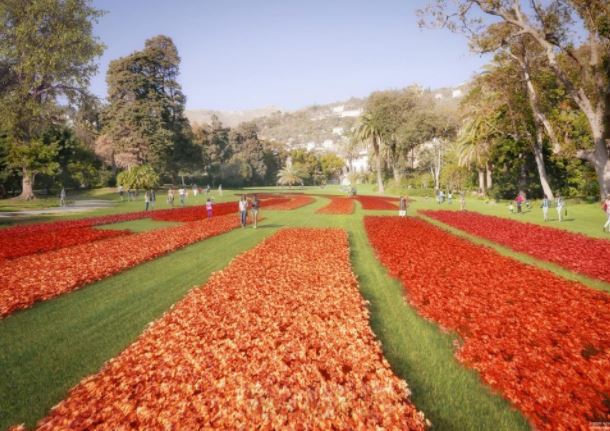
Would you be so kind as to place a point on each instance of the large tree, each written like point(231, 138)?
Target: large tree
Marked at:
point(145, 117)
point(555, 26)
point(47, 53)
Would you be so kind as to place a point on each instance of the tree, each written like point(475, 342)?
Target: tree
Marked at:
point(138, 177)
point(47, 52)
point(584, 71)
point(290, 175)
point(332, 165)
point(145, 116)
point(369, 131)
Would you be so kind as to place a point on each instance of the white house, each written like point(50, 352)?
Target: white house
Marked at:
point(351, 113)
point(338, 109)
point(328, 144)
point(361, 163)
point(338, 131)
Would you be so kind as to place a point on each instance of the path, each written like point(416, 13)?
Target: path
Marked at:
point(75, 206)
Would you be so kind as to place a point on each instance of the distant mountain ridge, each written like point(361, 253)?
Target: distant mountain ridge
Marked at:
point(229, 118)
point(315, 128)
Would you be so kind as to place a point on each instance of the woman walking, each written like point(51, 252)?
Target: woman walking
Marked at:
point(606, 208)
point(559, 204)
point(545, 207)
point(146, 200)
point(255, 207)
point(243, 210)
point(402, 207)
point(208, 207)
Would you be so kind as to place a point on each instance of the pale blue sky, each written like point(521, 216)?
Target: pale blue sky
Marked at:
point(240, 54)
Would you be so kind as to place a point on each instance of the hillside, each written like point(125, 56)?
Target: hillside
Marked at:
point(317, 127)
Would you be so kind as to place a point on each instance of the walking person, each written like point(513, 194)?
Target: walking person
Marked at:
point(254, 210)
point(545, 207)
point(153, 198)
point(220, 190)
point(402, 207)
point(121, 191)
point(146, 200)
point(182, 194)
point(519, 200)
point(62, 197)
point(559, 204)
point(450, 197)
point(462, 200)
point(209, 207)
point(170, 197)
point(606, 208)
point(243, 210)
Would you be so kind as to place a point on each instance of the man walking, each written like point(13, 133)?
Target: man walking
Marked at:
point(255, 206)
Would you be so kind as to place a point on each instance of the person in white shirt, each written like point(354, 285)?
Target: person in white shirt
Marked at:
point(243, 210)
point(182, 194)
point(607, 210)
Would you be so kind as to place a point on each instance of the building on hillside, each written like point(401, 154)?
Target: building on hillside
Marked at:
point(360, 164)
point(351, 113)
point(338, 109)
point(328, 145)
point(338, 131)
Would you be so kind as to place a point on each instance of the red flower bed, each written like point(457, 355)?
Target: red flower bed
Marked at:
point(542, 341)
point(579, 253)
point(338, 205)
point(289, 203)
point(28, 279)
point(194, 213)
point(43, 241)
point(277, 340)
point(377, 202)
point(28, 230)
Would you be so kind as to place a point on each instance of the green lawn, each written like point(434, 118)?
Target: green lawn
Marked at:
point(47, 349)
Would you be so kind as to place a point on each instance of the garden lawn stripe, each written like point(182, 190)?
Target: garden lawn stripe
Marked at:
point(28, 279)
point(49, 348)
point(544, 342)
point(576, 252)
point(278, 339)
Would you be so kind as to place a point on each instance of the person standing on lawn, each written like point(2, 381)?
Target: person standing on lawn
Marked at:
point(153, 198)
point(606, 207)
point(243, 210)
point(220, 190)
point(462, 200)
point(208, 207)
point(402, 207)
point(545, 207)
point(146, 200)
point(62, 197)
point(559, 204)
point(182, 194)
point(254, 210)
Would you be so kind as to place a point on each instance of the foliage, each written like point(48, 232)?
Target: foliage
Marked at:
point(291, 175)
point(145, 117)
point(47, 50)
point(138, 177)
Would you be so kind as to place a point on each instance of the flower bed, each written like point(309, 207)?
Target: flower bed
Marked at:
point(28, 279)
point(277, 340)
point(289, 203)
point(338, 205)
point(542, 341)
point(579, 253)
point(377, 202)
point(22, 245)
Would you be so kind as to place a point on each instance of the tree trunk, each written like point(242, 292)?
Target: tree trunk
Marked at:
point(27, 185)
point(482, 182)
point(380, 188)
point(397, 174)
point(488, 172)
point(539, 156)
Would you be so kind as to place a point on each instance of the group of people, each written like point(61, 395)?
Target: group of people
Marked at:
point(254, 206)
point(441, 196)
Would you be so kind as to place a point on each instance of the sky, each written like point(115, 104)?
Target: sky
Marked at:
point(245, 54)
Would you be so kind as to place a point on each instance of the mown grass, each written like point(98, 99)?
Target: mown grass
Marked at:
point(46, 350)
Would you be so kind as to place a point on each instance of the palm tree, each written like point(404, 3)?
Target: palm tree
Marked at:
point(370, 132)
point(474, 144)
point(290, 175)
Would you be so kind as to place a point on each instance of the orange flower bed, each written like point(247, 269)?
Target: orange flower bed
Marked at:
point(13, 246)
point(293, 202)
point(541, 340)
point(277, 340)
point(338, 205)
point(38, 277)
